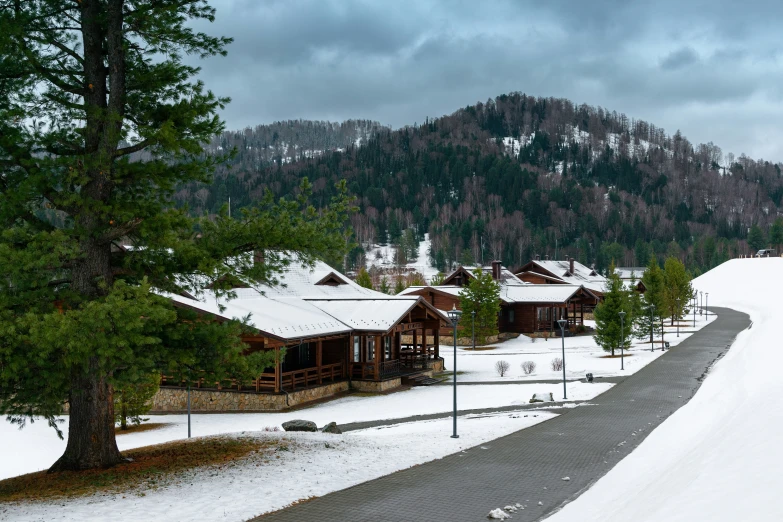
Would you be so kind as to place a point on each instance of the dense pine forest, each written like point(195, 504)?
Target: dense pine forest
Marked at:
point(515, 177)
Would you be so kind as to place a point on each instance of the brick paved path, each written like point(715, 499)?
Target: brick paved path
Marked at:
point(528, 466)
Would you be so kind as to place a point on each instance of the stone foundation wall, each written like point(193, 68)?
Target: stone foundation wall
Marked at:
point(436, 365)
point(175, 400)
point(375, 387)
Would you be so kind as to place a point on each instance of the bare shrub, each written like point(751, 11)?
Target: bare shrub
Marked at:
point(528, 367)
point(271, 428)
point(557, 364)
point(502, 368)
point(533, 338)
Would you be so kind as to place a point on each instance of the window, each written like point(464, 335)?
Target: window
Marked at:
point(510, 315)
point(357, 348)
point(371, 348)
point(387, 348)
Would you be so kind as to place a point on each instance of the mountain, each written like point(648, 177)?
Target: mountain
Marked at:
point(515, 177)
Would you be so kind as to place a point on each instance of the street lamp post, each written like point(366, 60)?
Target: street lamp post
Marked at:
point(701, 303)
point(622, 340)
point(652, 343)
point(454, 316)
point(473, 327)
point(562, 323)
point(707, 303)
point(694, 308)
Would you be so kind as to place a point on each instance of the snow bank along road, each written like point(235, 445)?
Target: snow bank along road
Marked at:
point(528, 466)
point(718, 458)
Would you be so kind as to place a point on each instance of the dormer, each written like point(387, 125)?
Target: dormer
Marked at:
point(332, 279)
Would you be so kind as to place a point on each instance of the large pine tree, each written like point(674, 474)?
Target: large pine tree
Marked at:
point(610, 331)
point(653, 306)
point(85, 85)
point(481, 295)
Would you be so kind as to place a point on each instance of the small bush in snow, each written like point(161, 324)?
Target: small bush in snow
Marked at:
point(271, 428)
point(557, 364)
point(502, 367)
point(528, 367)
point(532, 339)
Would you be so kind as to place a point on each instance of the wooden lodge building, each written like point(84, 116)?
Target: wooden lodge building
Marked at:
point(525, 307)
point(329, 335)
point(562, 272)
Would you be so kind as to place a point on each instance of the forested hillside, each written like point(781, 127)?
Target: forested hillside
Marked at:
point(519, 176)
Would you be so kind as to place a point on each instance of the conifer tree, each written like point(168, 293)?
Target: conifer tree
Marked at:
point(678, 289)
point(134, 400)
point(608, 330)
point(437, 279)
point(400, 285)
point(776, 234)
point(653, 303)
point(84, 85)
point(363, 278)
point(482, 295)
point(384, 288)
point(756, 239)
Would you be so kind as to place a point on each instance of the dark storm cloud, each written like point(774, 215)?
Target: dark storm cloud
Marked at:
point(711, 69)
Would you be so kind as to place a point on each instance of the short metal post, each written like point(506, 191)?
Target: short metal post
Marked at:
point(622, 340)
point(473, 327)
point(188, 410)
point(562, 323)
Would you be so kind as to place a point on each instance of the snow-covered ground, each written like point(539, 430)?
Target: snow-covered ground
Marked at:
point(718, 457)
point(316, 464)
point(36, 447)
point(582, 355)
point(382, 256)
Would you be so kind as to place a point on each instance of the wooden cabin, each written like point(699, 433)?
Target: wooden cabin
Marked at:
point(525, 307)
point(563, 272)
point(326, 329)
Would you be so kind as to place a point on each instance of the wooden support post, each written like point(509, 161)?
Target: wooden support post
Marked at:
point(436, 335)
point(319, 358)
point(278, 372)
point(378, 352)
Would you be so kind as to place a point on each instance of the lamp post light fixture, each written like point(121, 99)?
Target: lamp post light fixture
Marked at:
point(473, 327)
point(622, 340)
point(454, 316)
point(562, 323)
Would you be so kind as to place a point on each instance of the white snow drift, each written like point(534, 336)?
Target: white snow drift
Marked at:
point(718, 457)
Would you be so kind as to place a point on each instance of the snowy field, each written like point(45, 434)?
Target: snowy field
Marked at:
point(717, 458)
point(316, 464)
point(36, 447)
point(582, 355)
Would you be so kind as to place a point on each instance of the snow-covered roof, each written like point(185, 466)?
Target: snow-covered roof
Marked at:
point(301, 281)
point(582, 275)
point(280, 317)
point(377, 315)
point(524, 293)
point(506, 276)
point(630, 272)
point(539, 293)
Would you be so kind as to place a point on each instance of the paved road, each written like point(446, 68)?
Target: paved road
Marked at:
point(528, 466)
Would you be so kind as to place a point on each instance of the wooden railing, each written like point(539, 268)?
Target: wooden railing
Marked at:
point(300, 378)
point(365, 370)
point(266, 381)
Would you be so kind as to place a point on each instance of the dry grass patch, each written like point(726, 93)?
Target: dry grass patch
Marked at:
point(152, 467)
point(480, 348)
point(616, 356)
point(140, 428)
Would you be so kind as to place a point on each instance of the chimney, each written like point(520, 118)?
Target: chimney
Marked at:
point(496, 265)
point(571, 265)
point(538, 258)
point(547, 257)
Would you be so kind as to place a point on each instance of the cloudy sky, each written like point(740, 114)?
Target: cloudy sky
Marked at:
point(713, 69)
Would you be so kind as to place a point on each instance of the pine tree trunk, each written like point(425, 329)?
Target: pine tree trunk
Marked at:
point(91, 441)
point(123, 412)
